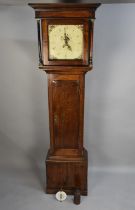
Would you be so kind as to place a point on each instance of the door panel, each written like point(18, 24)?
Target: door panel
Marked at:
point(65, 106)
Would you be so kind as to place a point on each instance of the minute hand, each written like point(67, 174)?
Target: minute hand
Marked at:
point(66, 39)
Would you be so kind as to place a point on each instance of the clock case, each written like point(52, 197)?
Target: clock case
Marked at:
point(67, 159)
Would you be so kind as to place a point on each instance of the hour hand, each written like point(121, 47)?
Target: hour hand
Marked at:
point(69, 47)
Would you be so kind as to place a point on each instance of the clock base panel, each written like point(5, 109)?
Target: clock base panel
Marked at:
point(67, 174)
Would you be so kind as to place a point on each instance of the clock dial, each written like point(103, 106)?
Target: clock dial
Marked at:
point(65, 42)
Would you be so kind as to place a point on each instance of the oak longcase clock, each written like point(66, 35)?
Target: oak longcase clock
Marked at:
point(65, 41)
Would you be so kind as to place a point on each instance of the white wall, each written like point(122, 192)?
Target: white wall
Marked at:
point(24, 126)
point(109, 99)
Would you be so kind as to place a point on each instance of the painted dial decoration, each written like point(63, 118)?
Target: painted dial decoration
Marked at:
point(65, 42)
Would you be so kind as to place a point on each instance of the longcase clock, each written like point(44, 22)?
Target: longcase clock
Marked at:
point(65, 38)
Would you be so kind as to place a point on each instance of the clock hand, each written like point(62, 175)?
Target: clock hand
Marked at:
point(69, 47)
point(64, 45)
point(66, 39)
